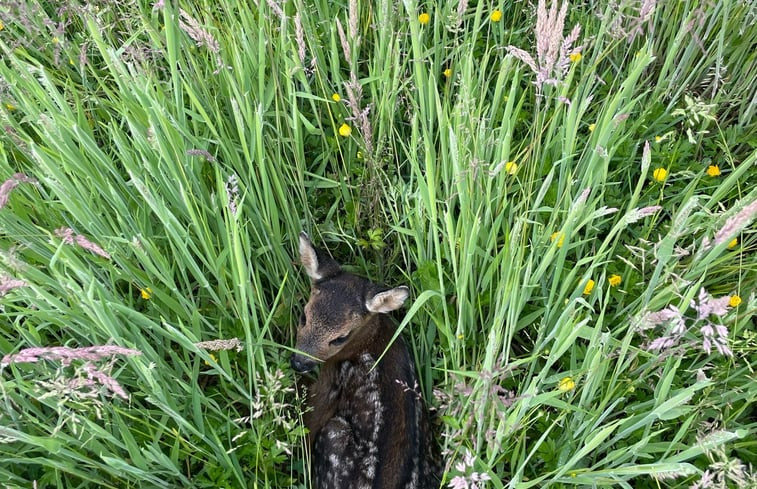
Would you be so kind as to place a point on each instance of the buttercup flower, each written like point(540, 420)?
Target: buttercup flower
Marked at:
point(713, 170)
point(560, 240)
point(734, 243)
point(447, 73)
point(496, 16)
point(566, 384)
point(575, 57)
point(335, 97)
point(511, 168)
point(657, 139)
point(589, 287)
point(734, 301)
point(146, 293)
point(660, 174)
point(424, 18)
point(614, 280)
point(345, 130)
point(592, 127)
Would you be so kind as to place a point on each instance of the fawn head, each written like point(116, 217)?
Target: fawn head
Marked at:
point(340, 311)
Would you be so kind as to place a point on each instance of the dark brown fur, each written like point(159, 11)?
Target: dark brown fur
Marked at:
point(368, 426)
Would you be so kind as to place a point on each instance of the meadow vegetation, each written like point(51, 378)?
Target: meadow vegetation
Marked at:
point(569, 190)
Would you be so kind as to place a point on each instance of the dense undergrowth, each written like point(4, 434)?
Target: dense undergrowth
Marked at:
point(569, 191)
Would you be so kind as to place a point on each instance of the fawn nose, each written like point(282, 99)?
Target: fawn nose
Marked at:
point(302, 364)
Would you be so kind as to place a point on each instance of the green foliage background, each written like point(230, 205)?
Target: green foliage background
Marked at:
point(133, 116)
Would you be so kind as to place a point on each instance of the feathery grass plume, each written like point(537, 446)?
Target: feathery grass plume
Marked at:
point(299, 36)
point(197, 32)
point(215, 345)
point(202, 153)
point(10, 257)
point(86, 378)
point(457, 19)
point(345, 43)
point(68, 237)
point(200, 35)
point(644, 16)
point(553, 51)
point(708, 305)
point(584, 195)
point(353, 15)
point(628, 26)
point(104, 378)
point(66, 355)
point(83, 58)
point(8, 283)
point(7, 187)
point(13, 134)
point(638, 214)
point(723, 467)
point(670, 314)
point(736, 223)
point(705, 306)
point(354, 91)
point(274, 5)
point(712, 334)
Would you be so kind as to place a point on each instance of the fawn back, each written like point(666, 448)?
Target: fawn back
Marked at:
point(368, 426)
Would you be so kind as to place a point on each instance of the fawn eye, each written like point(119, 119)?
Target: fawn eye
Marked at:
point(340, 340)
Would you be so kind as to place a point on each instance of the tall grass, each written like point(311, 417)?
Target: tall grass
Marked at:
point(541, 227)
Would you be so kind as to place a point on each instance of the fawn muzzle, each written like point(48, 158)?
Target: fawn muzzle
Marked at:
point(302, 364)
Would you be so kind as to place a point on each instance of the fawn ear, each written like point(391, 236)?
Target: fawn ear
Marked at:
point(387, 301)
point(318, 264)
point(309, 257)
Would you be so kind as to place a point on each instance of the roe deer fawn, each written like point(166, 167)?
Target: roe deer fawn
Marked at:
point(368, 426)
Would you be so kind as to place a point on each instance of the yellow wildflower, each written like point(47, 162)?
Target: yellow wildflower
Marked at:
point(615, 280)
point(657, 139)
point(734, 243)
point(2, 26)
point(589, 287)
point(213, 357)
point(335, 97)
point(734, 301)
point(511, 167)
point(496, 16)
point(566, 384)
point(447, 73)
point(56, 40)
point(345, 130)
point(146, 293)
point(560, 240)
point(460, 336)
point(575, 57)
point(660, 174)
point(713, 170)
point(592, 127)
point(424, 18)
point(10, 107)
